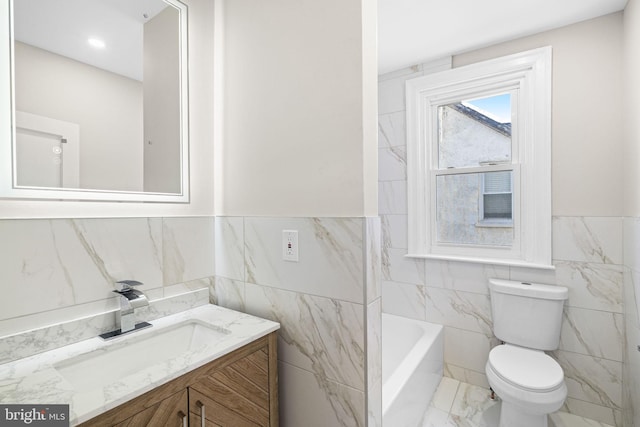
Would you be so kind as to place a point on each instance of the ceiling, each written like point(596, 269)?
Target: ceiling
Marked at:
point(416, 31)
point(63, 27)
point(409, 31)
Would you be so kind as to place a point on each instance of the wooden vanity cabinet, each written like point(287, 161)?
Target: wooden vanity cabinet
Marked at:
point(237, 390)
point(169, 412)
point(236, 395)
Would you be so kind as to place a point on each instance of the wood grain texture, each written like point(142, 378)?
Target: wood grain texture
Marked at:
point(215, 413)
point(272, 357)
point(169, 412)
point(237, 391)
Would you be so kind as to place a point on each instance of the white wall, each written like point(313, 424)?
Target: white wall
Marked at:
point(631, 108)
point(161, 88)
point(587, 126)
point(299, 109)
point(201, 30)
point(106, 106)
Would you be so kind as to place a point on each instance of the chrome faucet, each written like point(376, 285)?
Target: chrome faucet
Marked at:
point(130, 299)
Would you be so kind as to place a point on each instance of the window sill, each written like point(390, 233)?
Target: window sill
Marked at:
point(477, 260)
point(494, 224)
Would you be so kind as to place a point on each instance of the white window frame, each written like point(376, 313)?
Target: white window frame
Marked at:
point(528, 74)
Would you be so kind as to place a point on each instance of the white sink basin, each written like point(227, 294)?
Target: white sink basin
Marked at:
point(135, 353)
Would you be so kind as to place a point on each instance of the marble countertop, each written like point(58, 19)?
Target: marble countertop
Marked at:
point(35, 379)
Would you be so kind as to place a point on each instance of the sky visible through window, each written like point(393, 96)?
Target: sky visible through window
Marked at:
point(497, 107)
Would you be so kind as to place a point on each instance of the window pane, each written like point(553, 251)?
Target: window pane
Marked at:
point(474, 131)
point(497, 206)
point(458, 216)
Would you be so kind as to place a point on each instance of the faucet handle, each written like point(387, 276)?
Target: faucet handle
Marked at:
point(126, 285)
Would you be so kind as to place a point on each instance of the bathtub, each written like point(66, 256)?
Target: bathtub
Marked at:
point(412, 365)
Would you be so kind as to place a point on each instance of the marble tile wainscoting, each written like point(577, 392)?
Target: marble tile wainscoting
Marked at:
point(328, 306)
point(588, 259)
point(631, 357)
point(62, 271)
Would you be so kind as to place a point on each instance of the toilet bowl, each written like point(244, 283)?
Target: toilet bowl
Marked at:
point(527, 318)
point(529, 382)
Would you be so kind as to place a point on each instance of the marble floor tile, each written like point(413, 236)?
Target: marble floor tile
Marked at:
point(563, 419)
point(473, 404)
point(437, 418)
point(445, 394)
point(470, 406)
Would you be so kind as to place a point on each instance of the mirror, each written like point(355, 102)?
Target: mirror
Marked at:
point(99, 91)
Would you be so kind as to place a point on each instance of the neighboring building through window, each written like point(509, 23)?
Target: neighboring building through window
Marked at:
point(496, 201)
point(479, 162)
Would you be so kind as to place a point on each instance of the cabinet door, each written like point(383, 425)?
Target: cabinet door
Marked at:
point(170, 412)
point(234, 396)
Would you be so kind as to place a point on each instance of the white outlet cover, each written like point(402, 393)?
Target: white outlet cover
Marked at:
point(290, 245)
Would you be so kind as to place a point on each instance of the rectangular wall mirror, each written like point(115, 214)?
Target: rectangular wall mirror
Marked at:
point(98, 100)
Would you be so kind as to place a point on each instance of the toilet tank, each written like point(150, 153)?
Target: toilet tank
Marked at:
point(527, 314)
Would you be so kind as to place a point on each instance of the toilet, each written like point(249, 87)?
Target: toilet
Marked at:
point(527, 317)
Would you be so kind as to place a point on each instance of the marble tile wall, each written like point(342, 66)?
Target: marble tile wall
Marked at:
point(328, 305)
point(58, 270)
point(588, 259)
point(170, 300)
point(631, 356)
point(373, 298)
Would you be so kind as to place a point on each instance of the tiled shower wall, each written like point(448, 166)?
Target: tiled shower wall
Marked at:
point(55, 270)
point(588, 259)
point(328, 306)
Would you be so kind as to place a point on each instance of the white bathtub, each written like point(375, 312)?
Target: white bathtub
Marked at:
point(412, 365)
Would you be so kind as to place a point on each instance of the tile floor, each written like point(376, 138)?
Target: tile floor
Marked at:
point(457, 404)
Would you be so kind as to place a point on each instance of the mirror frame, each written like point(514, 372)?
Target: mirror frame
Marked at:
point(8, 189)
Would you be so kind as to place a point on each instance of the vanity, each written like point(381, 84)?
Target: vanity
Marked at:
point(204, 366)
point(238, 389)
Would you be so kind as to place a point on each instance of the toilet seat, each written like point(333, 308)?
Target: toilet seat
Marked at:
point(527, 369)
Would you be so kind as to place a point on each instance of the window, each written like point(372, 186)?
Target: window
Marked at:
point(496, 201)
point(479, 161)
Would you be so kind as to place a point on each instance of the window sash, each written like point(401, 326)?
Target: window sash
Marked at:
point(443, 248)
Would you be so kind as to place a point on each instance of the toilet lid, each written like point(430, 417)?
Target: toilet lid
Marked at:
point(529, 369)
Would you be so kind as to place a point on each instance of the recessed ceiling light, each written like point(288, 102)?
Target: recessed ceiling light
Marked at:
point(97, 43)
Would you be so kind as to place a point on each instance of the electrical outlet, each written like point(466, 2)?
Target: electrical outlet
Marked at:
point(290, 245)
